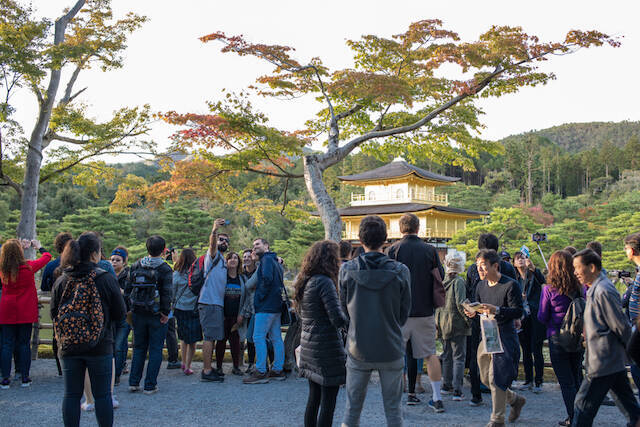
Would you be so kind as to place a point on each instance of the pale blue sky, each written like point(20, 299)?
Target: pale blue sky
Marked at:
point(168, 67)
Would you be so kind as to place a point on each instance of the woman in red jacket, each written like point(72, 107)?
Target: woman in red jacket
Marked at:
point(18, 306)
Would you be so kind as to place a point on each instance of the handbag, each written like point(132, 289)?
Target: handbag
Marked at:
point(286, 316)
point(439, 294)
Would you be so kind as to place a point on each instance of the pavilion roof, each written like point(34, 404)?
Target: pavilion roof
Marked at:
point(396, 169)
point(403, 208)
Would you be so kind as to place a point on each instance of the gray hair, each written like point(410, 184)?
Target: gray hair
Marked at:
point(454, 263)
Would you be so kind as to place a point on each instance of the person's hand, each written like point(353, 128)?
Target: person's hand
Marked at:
point(217, 224)
point(489, 308)
point(164, 319)
point(239, 320)
point(25, 243)
point(517, 323)
point(470, 314)
point(280, 260)
point(36, 244)
point(530, 265)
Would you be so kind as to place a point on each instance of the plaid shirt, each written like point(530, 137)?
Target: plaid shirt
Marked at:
point(634, 298)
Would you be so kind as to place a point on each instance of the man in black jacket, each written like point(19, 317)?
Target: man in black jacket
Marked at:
point(419, 333)
point(375, 296)
point(150, 291)
point(485, 241)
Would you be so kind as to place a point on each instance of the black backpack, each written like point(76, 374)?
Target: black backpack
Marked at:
point(145, 297)
point(569, 337)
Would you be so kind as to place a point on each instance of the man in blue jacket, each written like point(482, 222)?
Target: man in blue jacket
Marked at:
point(268, 304)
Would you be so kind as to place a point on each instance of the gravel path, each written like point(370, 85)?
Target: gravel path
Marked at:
point(186, 401)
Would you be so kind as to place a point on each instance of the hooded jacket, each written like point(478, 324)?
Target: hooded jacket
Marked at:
point(19, 301)
point(164, 281)
point(450, 319)
point(375, 293)
point(268, 295)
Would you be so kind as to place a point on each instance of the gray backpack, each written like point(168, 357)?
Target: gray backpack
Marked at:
point(569, 337)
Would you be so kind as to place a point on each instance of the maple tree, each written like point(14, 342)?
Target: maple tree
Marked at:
point(33, 54)
point(393, 100)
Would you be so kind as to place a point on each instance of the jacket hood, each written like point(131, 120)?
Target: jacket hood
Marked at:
point(153, 262)
point(80, 269)
point(376, 271)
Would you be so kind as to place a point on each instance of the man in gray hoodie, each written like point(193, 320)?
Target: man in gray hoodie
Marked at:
point(376, 296)
point(606, 331)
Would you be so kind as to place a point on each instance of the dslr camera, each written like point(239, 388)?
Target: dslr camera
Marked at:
point(621, 274)
point(539, 237)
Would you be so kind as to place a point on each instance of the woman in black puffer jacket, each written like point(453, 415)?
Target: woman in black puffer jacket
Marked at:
point(322, 354)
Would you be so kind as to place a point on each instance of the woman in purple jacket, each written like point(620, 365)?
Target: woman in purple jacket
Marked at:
point(562, 286)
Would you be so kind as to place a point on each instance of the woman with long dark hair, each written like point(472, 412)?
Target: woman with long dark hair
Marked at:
point(185, 306)
point(233, 297)
point(322, 354)
point(18, 305)
point(561, 288)
point(79, 261)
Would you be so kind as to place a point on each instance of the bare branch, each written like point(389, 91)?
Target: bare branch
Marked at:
point(77, 93)
point(66, 98)
point(285, 201)
point(349, 112)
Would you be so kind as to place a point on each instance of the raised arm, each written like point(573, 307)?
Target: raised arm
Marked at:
point(213, 238)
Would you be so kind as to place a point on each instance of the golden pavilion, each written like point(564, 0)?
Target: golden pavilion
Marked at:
point(397, 188)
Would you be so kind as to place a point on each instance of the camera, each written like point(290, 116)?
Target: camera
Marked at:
point(539, 237)
point(620, 274)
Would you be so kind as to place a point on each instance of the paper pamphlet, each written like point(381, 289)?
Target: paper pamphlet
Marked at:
point(491, 335)
point(471, 306)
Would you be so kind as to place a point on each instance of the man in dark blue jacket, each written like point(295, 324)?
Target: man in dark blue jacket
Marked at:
point(268, 304)
point(47, 274)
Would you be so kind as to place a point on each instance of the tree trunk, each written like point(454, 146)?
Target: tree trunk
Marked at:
point(29, 203)
point(529, 181)
point(325, 204)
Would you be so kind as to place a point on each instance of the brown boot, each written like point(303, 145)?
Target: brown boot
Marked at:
point(516, 407)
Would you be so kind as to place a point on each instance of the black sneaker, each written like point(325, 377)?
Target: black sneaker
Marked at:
point(458, 396)
point(412, 400)
point(26, 382)
point(116, 381)
point(211, 377)
point(565, 423)
point(475, 401)
point(150, 390)
point(220, 372)
point(174, 365)
point(446, 390)
point(437, 406)
point(256, 377)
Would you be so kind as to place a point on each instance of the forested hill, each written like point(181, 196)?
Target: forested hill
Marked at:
point(576, 137)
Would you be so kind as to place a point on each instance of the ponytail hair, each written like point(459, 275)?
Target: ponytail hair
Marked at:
point(79, 251)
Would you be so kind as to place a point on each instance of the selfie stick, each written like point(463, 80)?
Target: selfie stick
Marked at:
point(542, 255)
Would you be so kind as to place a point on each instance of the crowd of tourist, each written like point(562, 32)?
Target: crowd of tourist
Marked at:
point(377, 308)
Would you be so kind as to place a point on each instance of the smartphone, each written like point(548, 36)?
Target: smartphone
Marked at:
point(227, 221)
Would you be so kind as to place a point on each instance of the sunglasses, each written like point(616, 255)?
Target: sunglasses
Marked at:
point(222, 239)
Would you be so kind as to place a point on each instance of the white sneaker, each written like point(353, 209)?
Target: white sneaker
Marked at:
point(115, 402)
point(87, 407)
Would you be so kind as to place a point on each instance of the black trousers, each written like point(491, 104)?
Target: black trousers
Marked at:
point(321, 399)
point(172, 341)
point(531, 352)
point(592, 393)
point(472, 351)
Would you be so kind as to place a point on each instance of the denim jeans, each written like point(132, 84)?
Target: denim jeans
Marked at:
point(148, 335)
point(358, 375)
point(568, 369)
point(268, 324)
point(16, 337)
point(453, 355)
point(592, 392)
point(122, 345)
point(73, 369)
